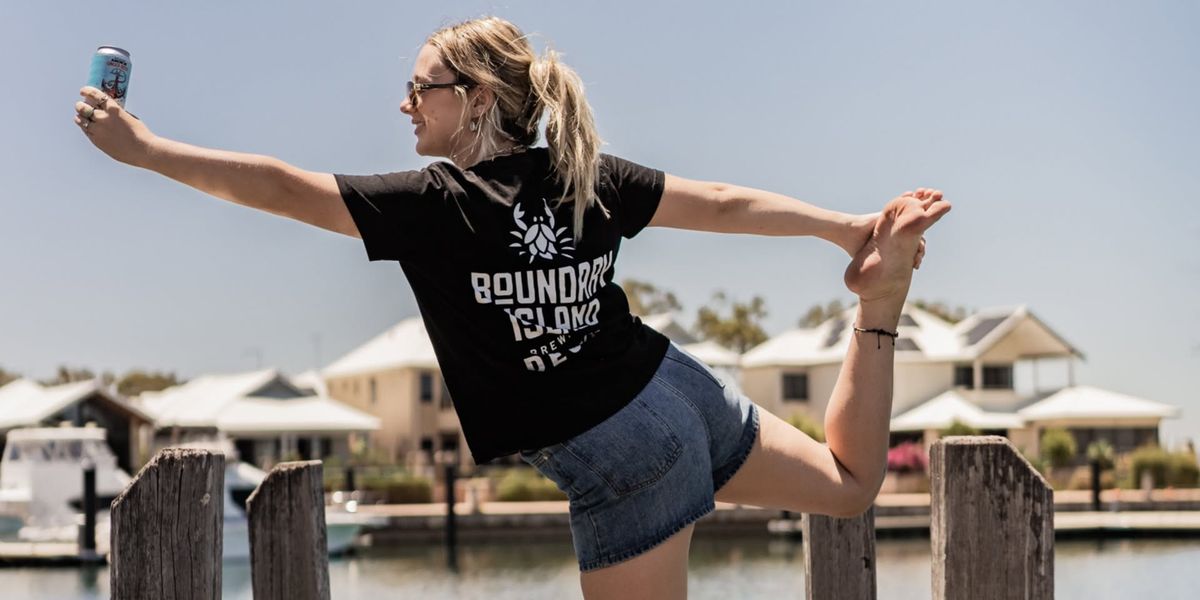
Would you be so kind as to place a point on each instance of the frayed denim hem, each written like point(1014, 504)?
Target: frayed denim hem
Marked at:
point(610, 560)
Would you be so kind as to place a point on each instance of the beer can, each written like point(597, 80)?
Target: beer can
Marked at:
point(110, 71)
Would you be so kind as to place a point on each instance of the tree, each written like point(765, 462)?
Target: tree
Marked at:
point(959, 428)
point(942, 310)
point(7, 377)
point(68, 375)
point(741, 330)
point(135, 382)
point(818, 314)
point(646, 299)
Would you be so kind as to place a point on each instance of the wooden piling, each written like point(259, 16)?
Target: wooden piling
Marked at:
point(839, 556)
point(289, 556)
point(166, 529)
point(992, 528)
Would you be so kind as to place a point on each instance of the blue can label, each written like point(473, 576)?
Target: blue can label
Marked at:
point(110, 74)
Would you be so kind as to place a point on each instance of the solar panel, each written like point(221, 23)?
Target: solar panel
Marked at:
point(906, 320)
point(982, 328)
point(907, 344)
point(835, 332)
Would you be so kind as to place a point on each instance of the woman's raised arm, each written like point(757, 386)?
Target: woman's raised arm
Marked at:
point(252, 180)
point(725, 208)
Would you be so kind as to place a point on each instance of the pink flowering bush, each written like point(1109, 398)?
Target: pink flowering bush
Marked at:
point(908, 457)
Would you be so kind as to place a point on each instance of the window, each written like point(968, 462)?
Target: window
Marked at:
point(446, 403)
point(374, 395)
point(426, 388)
point(795, 386)
point(999, 377)
point(964, 376)
point(427, 447)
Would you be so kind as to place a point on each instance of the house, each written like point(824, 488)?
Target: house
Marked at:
point(946, 372)
point(267, 416)
point(395, 377)
point(127, 428)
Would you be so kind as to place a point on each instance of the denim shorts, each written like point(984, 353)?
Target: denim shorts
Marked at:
point(652, 468)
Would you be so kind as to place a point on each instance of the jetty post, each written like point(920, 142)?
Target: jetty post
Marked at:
point(839, 556)
point(289, 557)
point(992, 527)
point(167, 528)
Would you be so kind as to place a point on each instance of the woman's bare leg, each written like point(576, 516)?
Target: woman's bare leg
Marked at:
point(660, 573)
point(789, 470)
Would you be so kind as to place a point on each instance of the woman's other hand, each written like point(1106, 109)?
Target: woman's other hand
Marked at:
point(111, 128)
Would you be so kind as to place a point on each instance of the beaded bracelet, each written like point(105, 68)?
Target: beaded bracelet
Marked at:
point(879, 332)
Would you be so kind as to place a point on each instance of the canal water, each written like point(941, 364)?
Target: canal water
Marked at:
point(721, 568)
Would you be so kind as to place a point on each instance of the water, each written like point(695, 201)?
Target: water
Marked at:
point(721, 569)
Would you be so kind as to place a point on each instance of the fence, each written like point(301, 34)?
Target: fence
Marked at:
point(992, 531)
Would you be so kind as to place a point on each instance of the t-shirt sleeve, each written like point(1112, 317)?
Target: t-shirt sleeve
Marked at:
point(397, 214)
point(637, 191)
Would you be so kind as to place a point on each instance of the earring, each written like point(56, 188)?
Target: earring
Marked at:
point(473, 125)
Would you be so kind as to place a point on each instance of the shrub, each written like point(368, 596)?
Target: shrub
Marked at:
point(1058, 447)
point(959, 428)
point(907, 457)
point(399, 488)
point(1182, 470)
point(808, 425)
point(524, 484)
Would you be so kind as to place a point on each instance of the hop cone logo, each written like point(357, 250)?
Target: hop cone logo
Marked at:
point(539, 238)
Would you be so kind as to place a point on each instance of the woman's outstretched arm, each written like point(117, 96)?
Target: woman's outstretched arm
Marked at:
point(724, 208)
point(252, 180)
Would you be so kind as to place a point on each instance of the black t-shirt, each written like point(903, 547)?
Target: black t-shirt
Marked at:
point(534, 339)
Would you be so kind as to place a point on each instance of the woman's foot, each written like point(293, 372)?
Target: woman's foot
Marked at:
point(883, 267)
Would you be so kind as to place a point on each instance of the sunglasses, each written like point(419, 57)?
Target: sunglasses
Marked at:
point(414, 89)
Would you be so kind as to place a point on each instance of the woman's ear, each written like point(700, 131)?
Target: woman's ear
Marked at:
point(483, 101)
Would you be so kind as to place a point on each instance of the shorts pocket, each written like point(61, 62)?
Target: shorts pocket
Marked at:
point(630, 450)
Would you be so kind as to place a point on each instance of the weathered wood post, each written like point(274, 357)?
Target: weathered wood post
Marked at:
point(289, 555)
point(992, 527)
point(839, 556)
point(166, 528)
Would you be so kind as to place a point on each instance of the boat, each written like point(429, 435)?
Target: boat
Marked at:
point(41, 480)
point(41, 486)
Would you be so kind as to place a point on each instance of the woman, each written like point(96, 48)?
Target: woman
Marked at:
point(510, 251)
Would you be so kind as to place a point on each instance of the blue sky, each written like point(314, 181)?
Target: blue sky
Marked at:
point(1066, 135)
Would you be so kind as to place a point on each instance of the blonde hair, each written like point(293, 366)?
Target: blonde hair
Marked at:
point(493, 53)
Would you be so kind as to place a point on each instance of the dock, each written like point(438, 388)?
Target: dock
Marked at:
point(24, 554)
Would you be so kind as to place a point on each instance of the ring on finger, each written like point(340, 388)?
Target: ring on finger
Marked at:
point(86, 123)
point(90, 111)
point(103, 102)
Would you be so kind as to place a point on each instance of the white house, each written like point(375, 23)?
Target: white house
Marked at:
point(268, 416)
point(955, 371)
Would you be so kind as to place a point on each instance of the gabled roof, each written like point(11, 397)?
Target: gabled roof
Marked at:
point(1086, 402)
point(923, 336)
point(404, 345)
point(261, 401)
point(200, 401)
point(25, 402)
point(942, 410)
point(311, 382)
point(306, 414)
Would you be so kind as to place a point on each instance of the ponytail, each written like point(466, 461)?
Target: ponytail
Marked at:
point(493, 52)
point(570, 133)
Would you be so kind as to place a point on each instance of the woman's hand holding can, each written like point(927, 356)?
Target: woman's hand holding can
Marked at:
point(111, 128)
